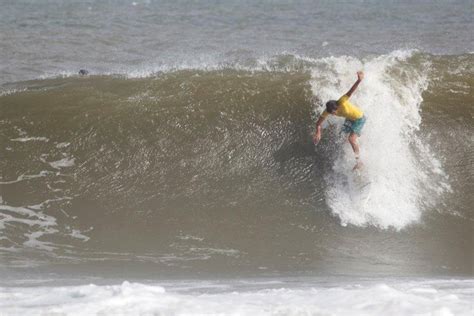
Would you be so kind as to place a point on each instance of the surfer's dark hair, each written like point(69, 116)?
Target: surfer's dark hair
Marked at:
point(331, 106)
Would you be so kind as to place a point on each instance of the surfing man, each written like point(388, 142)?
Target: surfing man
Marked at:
point(354, 116)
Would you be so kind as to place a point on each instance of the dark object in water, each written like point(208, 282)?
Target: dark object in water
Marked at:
point(83, 72)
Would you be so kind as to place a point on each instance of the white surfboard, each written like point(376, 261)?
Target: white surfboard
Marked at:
point(360, 187)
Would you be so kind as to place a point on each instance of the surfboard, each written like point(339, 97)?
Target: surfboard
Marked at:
point(360, 187)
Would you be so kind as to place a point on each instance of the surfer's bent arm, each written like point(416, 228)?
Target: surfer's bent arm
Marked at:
point(317, 134)
point(360, 76)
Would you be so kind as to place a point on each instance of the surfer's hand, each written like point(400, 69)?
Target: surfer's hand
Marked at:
point(360, 75)
point(316, 138)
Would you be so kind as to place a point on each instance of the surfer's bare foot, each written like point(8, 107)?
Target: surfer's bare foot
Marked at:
point(359, 165)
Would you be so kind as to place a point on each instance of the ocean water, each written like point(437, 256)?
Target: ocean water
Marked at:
point(179, 177)
point(247, 297)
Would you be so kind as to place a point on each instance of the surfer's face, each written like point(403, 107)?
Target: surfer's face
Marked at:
point(332, 111)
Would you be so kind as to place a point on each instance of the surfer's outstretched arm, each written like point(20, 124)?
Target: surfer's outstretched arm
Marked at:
point(360, 76)
point(317, 134)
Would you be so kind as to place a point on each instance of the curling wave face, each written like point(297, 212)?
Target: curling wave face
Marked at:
point(200, 163)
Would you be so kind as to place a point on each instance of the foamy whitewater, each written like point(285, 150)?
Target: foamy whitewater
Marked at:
point(178, 176)
point(391, 150)
point(245, 297)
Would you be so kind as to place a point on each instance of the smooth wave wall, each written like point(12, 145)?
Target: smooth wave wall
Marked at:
point(200, 163)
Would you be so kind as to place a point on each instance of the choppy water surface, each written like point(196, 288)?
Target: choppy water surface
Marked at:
point(41, 38)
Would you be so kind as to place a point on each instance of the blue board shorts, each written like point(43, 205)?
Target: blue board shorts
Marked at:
point(354, 126)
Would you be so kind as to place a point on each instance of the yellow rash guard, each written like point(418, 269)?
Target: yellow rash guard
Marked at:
point(346, 109)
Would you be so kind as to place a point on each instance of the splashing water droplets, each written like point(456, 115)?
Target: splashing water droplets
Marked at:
point(390, 97)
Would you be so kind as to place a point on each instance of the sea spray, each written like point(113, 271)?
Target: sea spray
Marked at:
point(390, 97)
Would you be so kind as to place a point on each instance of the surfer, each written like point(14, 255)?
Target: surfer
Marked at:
point(354, 116)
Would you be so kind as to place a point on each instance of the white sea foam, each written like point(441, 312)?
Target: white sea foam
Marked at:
point(63, 145)
point(390, 97)
point(63, 163)
point(190, 237)
point(37, 221)
point(29, 139)
point(24, 177)
point(75, 233)
point(386, 298)
point(11, 91)
point(206, 251)
point(34, 224)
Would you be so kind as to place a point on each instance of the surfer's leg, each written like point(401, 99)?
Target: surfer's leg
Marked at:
point(355, 147)
point(353, 141)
